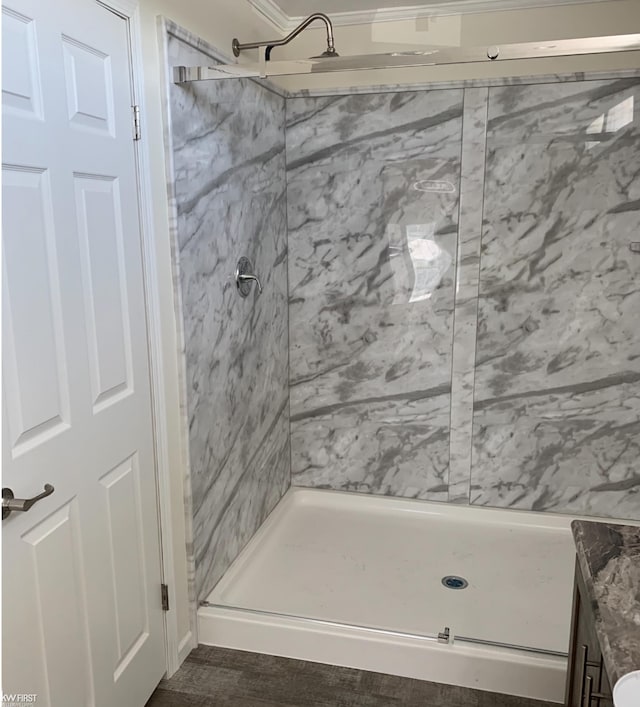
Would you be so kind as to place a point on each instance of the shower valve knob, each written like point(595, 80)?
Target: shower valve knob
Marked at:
point(244, 277)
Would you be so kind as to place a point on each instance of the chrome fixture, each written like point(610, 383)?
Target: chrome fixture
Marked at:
point(511, 646)
point(445, 635)
point(10, 503)
point(396, 60)
point(451, 581)
point(329, 52)
point(244, 277)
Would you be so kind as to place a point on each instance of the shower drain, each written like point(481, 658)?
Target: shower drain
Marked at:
point(453, 582)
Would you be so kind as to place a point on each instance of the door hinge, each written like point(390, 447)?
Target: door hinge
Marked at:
point(164, 589)
point(137, 135)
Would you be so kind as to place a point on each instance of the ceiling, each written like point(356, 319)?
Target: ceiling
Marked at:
point(286, 14)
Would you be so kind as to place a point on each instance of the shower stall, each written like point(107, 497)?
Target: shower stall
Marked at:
point(389, 437)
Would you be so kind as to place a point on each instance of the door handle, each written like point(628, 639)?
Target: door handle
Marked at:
point(10, 503)
point(584, 664)
point(588, 692)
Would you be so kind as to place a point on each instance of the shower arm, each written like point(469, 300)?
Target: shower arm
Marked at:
point(331, 49)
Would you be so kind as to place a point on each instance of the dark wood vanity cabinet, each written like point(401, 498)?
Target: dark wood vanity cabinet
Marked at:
point(587, 680)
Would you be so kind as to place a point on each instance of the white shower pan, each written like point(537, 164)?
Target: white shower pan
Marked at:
point(356, 580)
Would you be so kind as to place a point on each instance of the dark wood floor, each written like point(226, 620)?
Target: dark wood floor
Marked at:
point(218, 677)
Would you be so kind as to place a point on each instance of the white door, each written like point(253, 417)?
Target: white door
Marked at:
point(82, 610)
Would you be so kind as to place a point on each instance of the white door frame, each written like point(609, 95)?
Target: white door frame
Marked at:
point(175, 649)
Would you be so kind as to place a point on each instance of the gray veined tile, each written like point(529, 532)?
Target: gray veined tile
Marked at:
point(227, 522)
point(385, 447)
point(563, 452)
point(229, 192)
point(373, 189)
point(466, 296)
point(565, 113)
point(369, 127)
point(558, 287)
point(557, 369)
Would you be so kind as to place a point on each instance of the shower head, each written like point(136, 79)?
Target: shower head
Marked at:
point(329, 52)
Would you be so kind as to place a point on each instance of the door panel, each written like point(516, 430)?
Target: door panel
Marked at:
point(126, 552)
point(81, 569)
point(21, 92)
point(35, 383)
point(53, 548)
point(89, 86)
point(104, 284)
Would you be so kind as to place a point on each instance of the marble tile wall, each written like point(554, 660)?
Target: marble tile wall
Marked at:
point(516, 383)
point(467, 282)
point(373, 185)
point(228, 190)
point(557, 383)
point(434, 353)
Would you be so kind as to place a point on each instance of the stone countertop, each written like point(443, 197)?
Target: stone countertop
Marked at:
point(609, 558)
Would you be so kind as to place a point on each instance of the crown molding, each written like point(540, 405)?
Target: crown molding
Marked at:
point(271, 11)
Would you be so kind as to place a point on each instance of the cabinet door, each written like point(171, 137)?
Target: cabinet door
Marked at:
point(605, 693)
point(587, 681)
